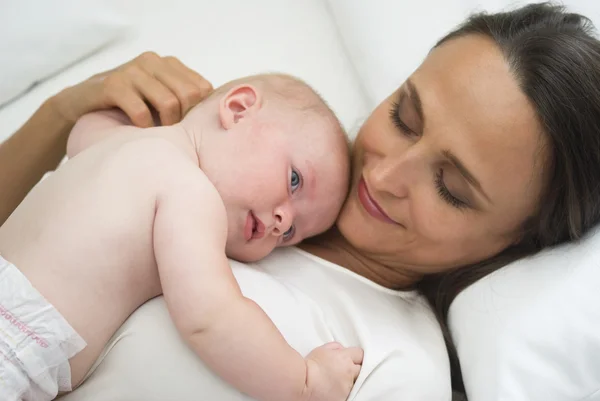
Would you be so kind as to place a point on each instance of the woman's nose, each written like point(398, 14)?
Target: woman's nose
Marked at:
point(393, 173)
point(284, 216)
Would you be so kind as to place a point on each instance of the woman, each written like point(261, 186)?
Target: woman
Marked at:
point(488, 153)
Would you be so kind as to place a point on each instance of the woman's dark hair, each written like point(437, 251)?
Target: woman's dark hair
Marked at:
point(555, 59)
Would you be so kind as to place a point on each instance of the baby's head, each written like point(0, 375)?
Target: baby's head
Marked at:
point(279, 159)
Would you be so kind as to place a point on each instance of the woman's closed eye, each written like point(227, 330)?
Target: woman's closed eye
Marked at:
point(445, 193)
point(397, 120)
point(407, 111)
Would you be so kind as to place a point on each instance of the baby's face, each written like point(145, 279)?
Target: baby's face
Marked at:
point(283, 185)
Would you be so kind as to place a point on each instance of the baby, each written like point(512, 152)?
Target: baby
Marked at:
point(261, 163)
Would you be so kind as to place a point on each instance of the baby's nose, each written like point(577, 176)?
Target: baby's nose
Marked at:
point(284, 217)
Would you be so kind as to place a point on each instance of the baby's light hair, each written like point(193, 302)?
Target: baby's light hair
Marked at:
point(286, 90)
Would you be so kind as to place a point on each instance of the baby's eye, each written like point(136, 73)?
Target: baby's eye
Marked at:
point(295, 180)
point(289, 233)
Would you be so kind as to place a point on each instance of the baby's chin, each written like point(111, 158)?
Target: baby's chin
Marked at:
point(248, 253)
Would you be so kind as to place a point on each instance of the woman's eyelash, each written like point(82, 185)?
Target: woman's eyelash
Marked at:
point(395, 116)
point(444, 193)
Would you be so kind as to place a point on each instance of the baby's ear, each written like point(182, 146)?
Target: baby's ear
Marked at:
point(240, 102)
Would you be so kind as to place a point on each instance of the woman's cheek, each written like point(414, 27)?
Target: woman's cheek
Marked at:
point(431, 218)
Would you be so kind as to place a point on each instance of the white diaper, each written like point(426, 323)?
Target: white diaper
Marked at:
point(36, 342)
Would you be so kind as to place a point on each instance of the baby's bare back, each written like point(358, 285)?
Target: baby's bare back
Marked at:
point(84, 237)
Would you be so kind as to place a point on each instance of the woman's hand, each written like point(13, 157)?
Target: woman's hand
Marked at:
point(147, 82)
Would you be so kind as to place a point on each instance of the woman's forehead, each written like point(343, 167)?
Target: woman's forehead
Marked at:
point(470, 83)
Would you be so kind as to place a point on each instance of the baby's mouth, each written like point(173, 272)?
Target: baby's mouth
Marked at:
point(258, 228)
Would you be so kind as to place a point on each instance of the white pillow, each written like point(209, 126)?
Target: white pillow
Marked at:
point(41, 37)
point(295, 37)
point(388, 39)
point(531, 331)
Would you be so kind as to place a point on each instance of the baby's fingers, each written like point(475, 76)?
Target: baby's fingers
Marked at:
point(333, 345)
point(355, 372)
point(356, 354)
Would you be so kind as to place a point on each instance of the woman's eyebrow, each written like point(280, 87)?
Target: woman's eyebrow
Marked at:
point(466, 173)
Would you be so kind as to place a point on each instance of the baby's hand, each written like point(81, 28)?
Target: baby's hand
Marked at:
point(331, 372)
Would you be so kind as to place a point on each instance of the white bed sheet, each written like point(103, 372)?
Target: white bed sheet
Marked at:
point(222, 40)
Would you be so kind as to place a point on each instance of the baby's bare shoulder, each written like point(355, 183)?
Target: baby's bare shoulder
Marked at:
point(167, 168)
point(149, 158)
point(154, 149)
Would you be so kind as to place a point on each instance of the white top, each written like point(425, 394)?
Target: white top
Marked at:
point(312, 302)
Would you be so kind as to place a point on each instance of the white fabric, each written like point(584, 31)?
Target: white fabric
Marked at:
point(40, 38)
point(387, 39)
point(222, 40)
point(312, 302)
point(380, 43)
point(531, 331)
point(36, 342)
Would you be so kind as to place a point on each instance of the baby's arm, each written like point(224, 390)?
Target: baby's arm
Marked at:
point(231, 333)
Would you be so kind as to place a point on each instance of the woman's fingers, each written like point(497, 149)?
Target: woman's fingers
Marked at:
point(192, 75)
point(188, 85)
point(146, 83)
point(119, 91)
point(160, 96)
point(136, 109)
point(202, 84)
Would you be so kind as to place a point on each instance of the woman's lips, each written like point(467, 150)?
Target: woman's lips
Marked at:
point(370, 205)
point(254, 228)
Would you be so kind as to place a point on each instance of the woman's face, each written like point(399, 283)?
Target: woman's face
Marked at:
point(448, 168)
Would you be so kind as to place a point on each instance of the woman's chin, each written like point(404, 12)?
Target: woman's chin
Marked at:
point(362, 232)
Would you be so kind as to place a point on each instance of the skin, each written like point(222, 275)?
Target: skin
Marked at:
point(149, 80)
point(159, 225)
point(473, 108)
